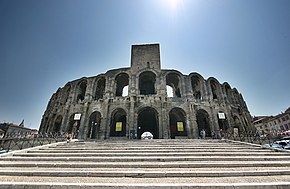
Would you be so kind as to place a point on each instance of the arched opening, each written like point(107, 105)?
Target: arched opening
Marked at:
point(57, 124)
point(169, 91)
point(202, 119)
point(147, 83)
point(118, 123)
point(222, 121)
point(236, 96)
point(66, 94)
point(81, 91)
point(237, 124)
point(122, 80)
point(177, 122)
point(196, 87)
point(148, 122)
point(74, 124)
point(228, 92)
point(172, 80)
point(100, 88)
point(214, 89)
point(94, 125)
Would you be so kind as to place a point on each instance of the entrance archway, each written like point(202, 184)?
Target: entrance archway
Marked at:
point(118, 123)
point(94, 125)
point(148, 122)
point(177, 121)
point(202, 119)
point(57, 124)
point(237, 124)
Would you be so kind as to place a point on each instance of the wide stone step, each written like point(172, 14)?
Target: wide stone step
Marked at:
point(179, 164)
point(151, 158)
point(145, 151)
point(163, 169)
point(144, 174)
point(150, 148)
point(142, 154)
point(257, 182)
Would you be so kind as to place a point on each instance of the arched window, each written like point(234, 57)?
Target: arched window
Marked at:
point(147, 83)
point(196, 87)
point(81, 91)
point(172, 80)
point(228, 91)
point(100, 88)
point(214, 89)
point(122, 80)
point(65, 94)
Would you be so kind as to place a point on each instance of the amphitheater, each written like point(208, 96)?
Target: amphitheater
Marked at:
point(108, 114)
point(126, 102)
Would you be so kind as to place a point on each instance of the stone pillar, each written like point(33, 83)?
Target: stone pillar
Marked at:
point(164, 121)
point(131, 118)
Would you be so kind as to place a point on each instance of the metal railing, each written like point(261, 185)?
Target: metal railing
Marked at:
point(252, 137)
point(16, 141)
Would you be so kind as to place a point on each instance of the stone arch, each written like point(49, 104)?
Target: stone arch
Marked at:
point(197, 86)
point(173, 80)
point(47, 125)
point(122, 80)
point(66, 92)
point(236, 96)
point(81, 90)
point(228, 92)
point(73, 124)
point(215, 88)
point(203, 122)
point(177, 122)
point(222, 121)
point(93, 131)
point(147, 80)
point(238, 124)
point(118, 123)
point(148, 122)
point(100, 88)
point(57, 124)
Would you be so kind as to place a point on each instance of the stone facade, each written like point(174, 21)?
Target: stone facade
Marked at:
point(106, 111)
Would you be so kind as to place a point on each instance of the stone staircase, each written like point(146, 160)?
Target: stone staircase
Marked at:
point(183, 163)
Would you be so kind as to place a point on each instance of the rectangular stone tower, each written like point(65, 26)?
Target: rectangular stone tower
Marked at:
point(145, 56)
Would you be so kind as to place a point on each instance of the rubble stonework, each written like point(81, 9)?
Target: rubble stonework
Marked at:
point(107, 112)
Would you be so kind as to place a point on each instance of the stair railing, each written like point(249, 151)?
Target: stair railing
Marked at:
point(16, 141)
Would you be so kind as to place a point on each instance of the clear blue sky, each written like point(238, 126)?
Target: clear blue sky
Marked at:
point(46, 43)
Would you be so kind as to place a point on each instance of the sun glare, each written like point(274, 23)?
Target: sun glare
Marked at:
point(172, 5)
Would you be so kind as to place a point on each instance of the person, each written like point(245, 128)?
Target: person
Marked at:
point(221, 134)
point(68, 138)
point(213, 135)
point(202, 133)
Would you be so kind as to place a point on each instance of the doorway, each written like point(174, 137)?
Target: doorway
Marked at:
point(148, 122)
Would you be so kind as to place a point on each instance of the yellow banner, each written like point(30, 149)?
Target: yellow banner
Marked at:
point(118, 126)
point(180, 126)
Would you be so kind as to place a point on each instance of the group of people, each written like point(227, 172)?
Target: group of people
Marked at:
point(221, 134)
